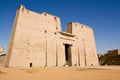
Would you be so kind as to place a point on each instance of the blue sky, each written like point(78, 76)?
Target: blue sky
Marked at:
point(102, 15)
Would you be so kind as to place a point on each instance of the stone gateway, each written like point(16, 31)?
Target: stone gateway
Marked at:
point(38, 41)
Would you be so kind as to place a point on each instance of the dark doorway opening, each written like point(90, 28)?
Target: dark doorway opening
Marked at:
point(68, 54)
point(91, 64)
point(30, 64)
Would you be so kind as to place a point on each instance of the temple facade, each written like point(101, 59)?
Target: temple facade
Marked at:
point(38, 41)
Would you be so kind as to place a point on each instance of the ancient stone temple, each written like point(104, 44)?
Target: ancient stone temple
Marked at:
point(38, 41)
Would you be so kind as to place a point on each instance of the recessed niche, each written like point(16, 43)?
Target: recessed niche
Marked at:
point(45, 14)
point(45, 31)
point(56, 27)
point(22, 9)
point(55, 18)
point(30, 64)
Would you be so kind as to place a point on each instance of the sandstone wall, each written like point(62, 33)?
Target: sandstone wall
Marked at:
point(37, 41)
point(32, 39)
point(86, 43)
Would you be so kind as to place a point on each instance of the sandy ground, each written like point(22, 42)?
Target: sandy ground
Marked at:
point(60, 73)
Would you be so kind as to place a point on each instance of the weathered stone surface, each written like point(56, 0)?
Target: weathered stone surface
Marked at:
point(37, 41)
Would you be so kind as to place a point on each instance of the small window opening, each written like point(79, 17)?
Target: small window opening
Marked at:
point(22, 9)
point(30, 64)
point(56, 27)
point(45, 14)
point(45, 31)
point(55, 18)
point(91, 64)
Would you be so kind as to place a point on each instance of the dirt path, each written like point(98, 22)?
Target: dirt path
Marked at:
point(58, 74)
